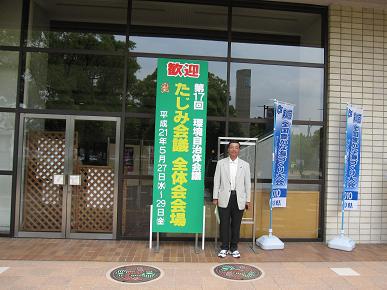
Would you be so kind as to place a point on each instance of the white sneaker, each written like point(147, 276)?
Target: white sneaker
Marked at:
point(222, 254)
point(236, 254)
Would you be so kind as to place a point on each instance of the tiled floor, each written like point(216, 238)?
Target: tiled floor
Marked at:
point(83, 264)
point(138, 251)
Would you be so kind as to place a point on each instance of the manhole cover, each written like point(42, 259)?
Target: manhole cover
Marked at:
point(239, 272)
point(135, 274)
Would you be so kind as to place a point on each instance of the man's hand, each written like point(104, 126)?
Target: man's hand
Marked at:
point(247, 205)
point(215, 201)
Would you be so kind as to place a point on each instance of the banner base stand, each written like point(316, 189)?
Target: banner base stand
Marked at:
point(270, 242)
point(342, 243)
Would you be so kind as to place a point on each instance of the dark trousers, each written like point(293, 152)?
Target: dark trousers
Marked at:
point(230, 216)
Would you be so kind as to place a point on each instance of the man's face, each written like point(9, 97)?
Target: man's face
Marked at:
point(233, 150)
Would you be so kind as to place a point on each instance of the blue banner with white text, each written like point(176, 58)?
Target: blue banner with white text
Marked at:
point(283, 118)
point(352, 158)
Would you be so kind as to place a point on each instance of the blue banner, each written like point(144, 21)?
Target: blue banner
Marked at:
point(350, 196)
point(283, 118)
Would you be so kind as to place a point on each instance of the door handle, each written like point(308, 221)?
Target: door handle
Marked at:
point(74, 179)
point(58, 179)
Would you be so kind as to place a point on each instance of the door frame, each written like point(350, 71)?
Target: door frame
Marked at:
point(66, 203)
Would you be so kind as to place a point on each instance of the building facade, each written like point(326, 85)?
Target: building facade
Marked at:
point(77, 102)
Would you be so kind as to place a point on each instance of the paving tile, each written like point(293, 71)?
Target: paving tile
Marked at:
point(3, 269)
point(336, 283)
point(345, 272)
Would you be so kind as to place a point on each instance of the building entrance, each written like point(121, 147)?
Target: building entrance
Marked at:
point(67, 177)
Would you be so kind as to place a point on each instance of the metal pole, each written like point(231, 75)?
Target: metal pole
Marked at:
point(254, 192)
point(150, 226)
point(342, 215)
point(216, 234)
point(216, 223)
point(196, 243)
point(345, 173)
point(157, 242)
point(204, 227)
point(272, 173)
point(271, 216)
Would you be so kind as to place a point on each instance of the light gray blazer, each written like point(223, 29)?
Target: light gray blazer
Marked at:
point(222, 183)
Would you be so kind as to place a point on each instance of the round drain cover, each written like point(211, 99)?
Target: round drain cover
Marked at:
point(238, 272)
point(135, 274)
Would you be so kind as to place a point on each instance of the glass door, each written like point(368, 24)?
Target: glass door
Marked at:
point(67, 177)
point(41, 204)
point(93, 177)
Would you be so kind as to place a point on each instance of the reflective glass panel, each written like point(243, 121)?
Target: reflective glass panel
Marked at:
point(10, 22)
point(72, 24)
point(7, 135)
point(138, 151)
point(189, 28)
point(179, 46)
point(142, 86)
point(137, 196)
point(73, 82)
point(277, 35)
point(213, 131)
point(254, 87)
point(250, 130)
point(305, 154)
point(179, 15)
point(5, 203)
point(138, 163)
point(9, 62)
point(277, 52)
point(300, 218)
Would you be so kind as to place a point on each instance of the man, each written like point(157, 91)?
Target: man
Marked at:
point(232, 186)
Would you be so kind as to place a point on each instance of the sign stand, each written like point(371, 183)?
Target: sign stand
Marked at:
point(157, 248)
point(197, 250)
point(342, 242)
point(270, 242)
point(245, 221)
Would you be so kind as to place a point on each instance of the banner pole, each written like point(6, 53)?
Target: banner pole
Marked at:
point(271, 216)
point(272, 174)
point(271, 242)
point(344, 175)
point(342, 215)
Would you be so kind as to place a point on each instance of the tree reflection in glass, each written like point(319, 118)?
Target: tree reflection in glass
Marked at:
point(90, 82)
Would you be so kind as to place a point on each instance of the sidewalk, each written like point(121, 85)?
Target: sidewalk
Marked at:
point(83, 264)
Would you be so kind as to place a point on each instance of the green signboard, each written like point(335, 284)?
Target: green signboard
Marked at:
point(180, 138)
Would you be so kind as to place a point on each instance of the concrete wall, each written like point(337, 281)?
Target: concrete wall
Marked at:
point(358, 75)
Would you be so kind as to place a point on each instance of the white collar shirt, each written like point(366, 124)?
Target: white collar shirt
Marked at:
point(233, 171)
